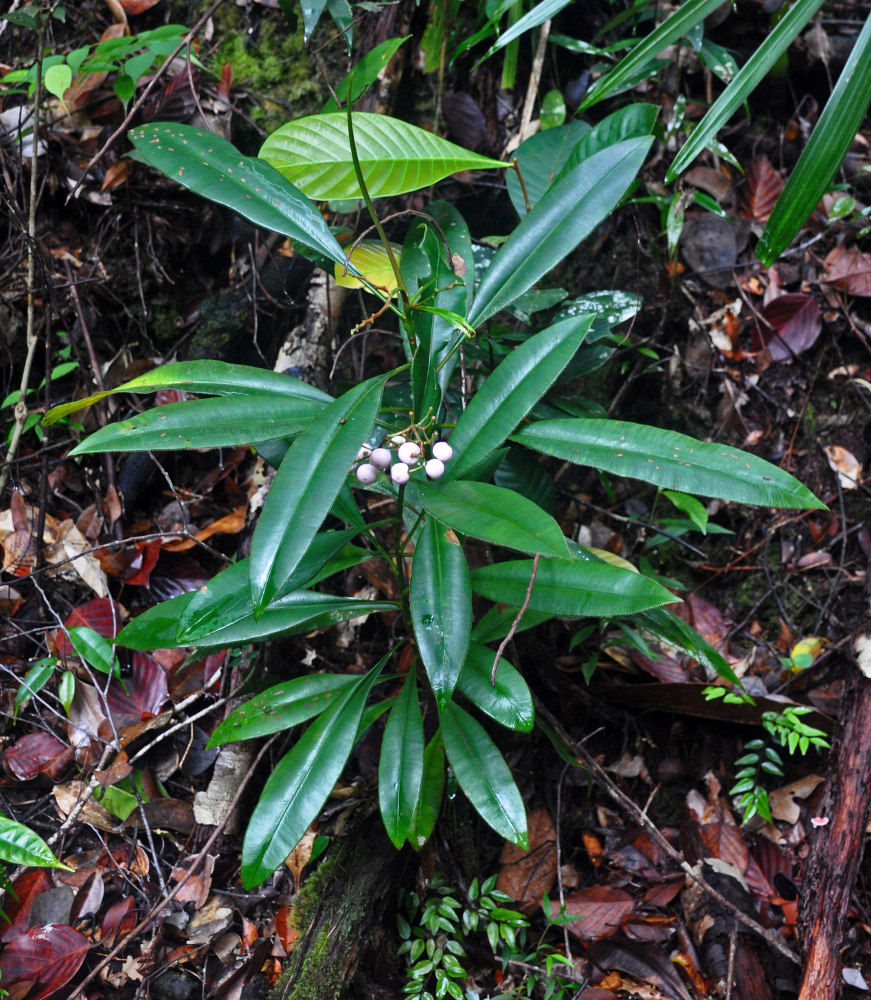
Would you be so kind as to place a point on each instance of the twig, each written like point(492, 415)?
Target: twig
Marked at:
point(516, 623)
point(534, 79)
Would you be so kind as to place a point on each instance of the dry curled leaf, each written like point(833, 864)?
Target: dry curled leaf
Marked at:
point(845, 463)
point(526, 875)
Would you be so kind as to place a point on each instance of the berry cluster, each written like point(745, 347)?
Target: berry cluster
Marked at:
point(400, 462)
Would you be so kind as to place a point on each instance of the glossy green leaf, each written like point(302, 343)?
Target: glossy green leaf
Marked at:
point(302, 781)
point(508, 701)
point(516, 385)
point(540, 158)
point(281, 707)
point(498, 621)
point(483, 774)
point(155, 628)
point(364, 73)
point(751, 74)
point(824, 153)
point(94, 649)
point(669, 459)
point(522, 472)
point(495, 515)
point(219, 422)
point(314, 154)
point(570, 588)
point(665, 624)
point(540, 13)
point(19, 845)
point(212, 167)
point(441, 606)
point(432, 787)
point(569, 211)
point(632, 122)
point(34, 680)
point(211, 377)
point(400, 769)
point(686, 17)
point(306, 486)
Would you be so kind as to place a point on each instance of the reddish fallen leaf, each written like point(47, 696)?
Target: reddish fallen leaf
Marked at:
point(230, 524)
point(116, 175)
point(794, 325)
point(761, 190)
point(815, 560)
point(593, 847)
point(602, 910)
point(647, 963)
point(89, 898)
point(145, 693)
point(848, 269)
point(526, 875)
point(134, 7)
point(724, 841)
point(19, 899)
point(120, 919)
point(47, 956)
point(198, 886)
point(226, 83)
point(167, 814)
point(10, 600)
point(663, 893)
point(117, 771)
point(287, 933)
point(102, 614)
point(704, 617)
point(143, 563)
point(38, 753)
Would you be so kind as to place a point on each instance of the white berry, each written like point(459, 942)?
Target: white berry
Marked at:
point(409, 452)
point(364, 452)
point(399, 473)
point(367, 474)
point(381, 458)
point(397, 440)
point(434, 468)
point(442, 451)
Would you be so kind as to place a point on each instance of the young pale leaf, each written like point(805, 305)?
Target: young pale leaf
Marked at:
point(306, 486)
point(314, 154)
point(569, 211)
point(684, 18)
point(301, 783)
point(373, 263)
point(19, 845)
point(824, 153)
point(494, 514)
point(483, 774)
point(751, 74)
point(217, 378)
point(508, 701)
point(212, 167)
point(669, 459)
point(516, 385)
point(441, 606)
point(432, 788)
point(571, 588)
point(281, 707)
point(400, 768)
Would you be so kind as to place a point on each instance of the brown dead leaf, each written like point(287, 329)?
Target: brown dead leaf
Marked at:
point(526, 875)
point(70, 793)
point(847, 466)
point(715, 182)
point(602, 910)
point(299, 857)
point(118, 770)
point(230, 524)
point(784, 807)
point(197, 888)
point(761, 191)
point(849, 270)
point(792, 325)
point(10, 600)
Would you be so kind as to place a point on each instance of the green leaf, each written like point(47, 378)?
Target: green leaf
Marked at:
point(694, 509)
point(516, 385)
point(155, 628)
point(745, 81)
point(571, 588)
point(686, 17)
point(540, 158)
point(34, 680)
point(441, 606)
point(824, 153)
point(219, 422)
point(212, 377)
point(314, 154)
point(94, 649)
point(483, 774)
point(19, 845)
point(569, 211)
point(497, 623)
point(508, 701)
point(364, 73)
point(540, 13)
point(432, 788)
point(665, 624)
point(632, 122)
point(281, 707)
point(57, 79)
point(306, 486)
point(400, 769)
point(302, 781)
point(212, 167)
point(553, 110)
point(669, 459)
point(494, 514)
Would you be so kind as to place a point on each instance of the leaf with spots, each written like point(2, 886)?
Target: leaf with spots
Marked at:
point(212, 167)
point(668, 459)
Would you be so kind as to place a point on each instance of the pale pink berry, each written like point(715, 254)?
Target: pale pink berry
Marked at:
point(434, 468)
point(409, 453)
point(364, 452)
point(442, 451)
point(397, 440)
point(399, 473)
point(367, 474)
point(381, 458)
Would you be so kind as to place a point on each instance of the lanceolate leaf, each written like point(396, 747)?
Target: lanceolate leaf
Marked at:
point(569, 211)
point(212, 167)
point(306, 486)
point(824, 152)
point(494, 514)
point(508, 700)
point(400, 769)
point(516, 385)
point(630, 122)
point(302, 781)
point(540, 13)
point(314, 154)
point(540, 158)
point(19, 845)
point(281, 707)
point(569, 587)
point(666, 458)
point(432, 788)
point(441, 606)
point(483, 774)
point(220, 422)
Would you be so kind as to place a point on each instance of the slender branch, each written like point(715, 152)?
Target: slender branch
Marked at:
point(516, 623)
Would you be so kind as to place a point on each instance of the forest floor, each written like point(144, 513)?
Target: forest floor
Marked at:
point(134, 271)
